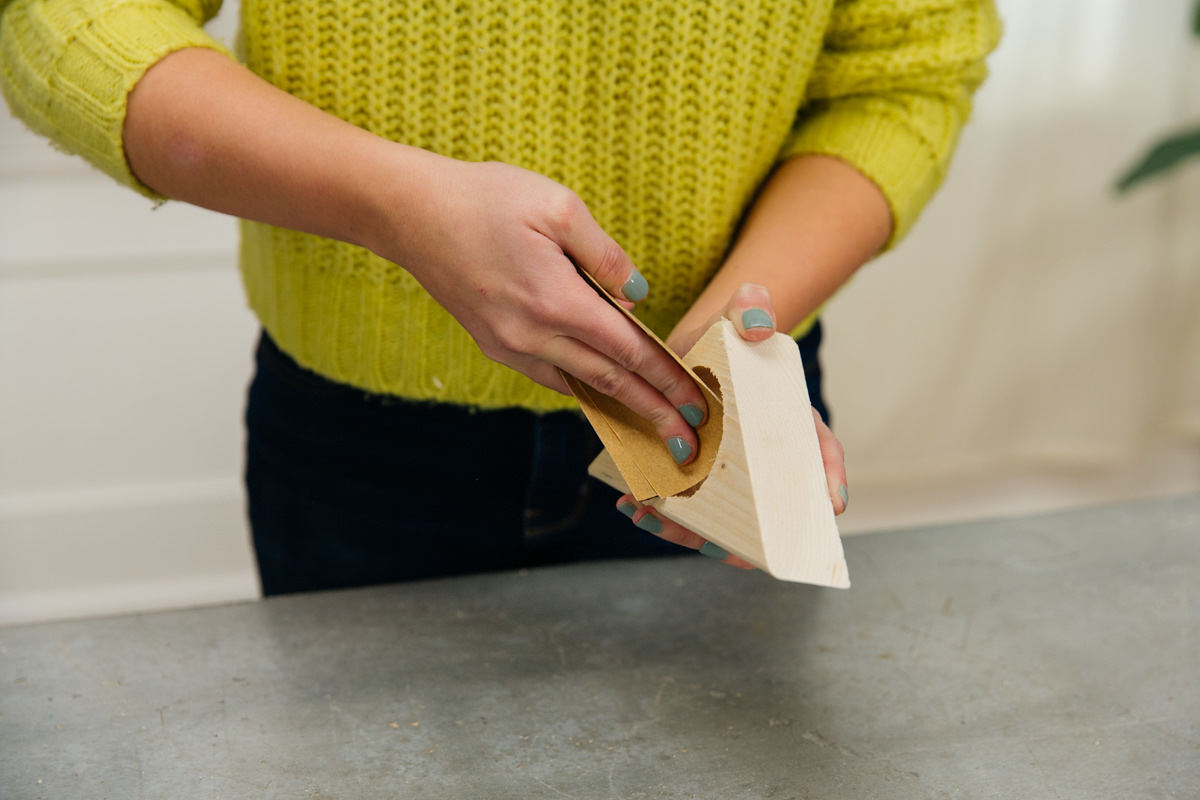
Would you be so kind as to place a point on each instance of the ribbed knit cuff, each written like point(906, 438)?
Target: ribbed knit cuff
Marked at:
point(900, 162)
point(75, 89)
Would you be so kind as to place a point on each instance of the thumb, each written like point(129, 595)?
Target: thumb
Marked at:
point(749, 309)
point(752, 312)
point(596, 253)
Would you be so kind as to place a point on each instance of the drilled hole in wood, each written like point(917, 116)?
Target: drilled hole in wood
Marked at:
point(710, 380)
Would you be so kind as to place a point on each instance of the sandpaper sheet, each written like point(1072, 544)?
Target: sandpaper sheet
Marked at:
point(634, 444)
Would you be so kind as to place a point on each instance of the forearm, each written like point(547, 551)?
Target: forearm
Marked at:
point(815, 223)
point(496, 245)
point(202, 128)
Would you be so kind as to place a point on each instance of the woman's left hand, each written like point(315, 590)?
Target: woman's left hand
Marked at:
point(753, 316)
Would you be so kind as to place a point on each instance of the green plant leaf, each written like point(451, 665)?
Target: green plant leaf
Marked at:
point(1196, 19)
point(1162, 157)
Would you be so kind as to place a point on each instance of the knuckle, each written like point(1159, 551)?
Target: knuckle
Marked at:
point(610, 381)
point(664, 418)
point(680, 385)
point(536, 306)
point(630, 353)
point(564, 208)
point(610, 263)
point(512, 337)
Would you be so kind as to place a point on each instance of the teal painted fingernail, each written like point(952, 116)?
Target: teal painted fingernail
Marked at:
point(650, 523)
point(636, 288)
point(692, 414)
point(845, 495)
point(680, 450)
point(712, 551)
point(756, 318)
point(627, 508)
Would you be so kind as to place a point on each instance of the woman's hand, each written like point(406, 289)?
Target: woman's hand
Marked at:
point(753, 315)
point(497, 247)
point(494, 244)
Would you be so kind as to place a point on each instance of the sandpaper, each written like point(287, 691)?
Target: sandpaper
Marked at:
point(634, 444)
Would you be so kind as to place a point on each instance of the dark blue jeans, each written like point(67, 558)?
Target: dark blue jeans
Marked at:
point(350, 489)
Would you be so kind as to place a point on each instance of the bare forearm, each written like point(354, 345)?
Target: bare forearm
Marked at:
point(494, 244)
point(816, 221)
point(204, 129)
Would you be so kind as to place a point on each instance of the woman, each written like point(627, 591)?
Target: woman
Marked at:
point(420, 182)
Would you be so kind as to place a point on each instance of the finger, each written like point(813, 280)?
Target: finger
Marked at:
point(628, 388)
point(663, 528)
point(586, 243)
point(749, 308)
point(834, 459)
point(614, 336)
point(647, 520)
point(752, 312)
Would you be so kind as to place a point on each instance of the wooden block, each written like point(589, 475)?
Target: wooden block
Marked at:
point(765, 498)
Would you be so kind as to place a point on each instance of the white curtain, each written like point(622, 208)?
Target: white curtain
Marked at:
point(1035, 318)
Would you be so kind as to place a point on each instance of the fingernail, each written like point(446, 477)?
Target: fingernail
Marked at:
point(627, 508)
point(712, 551)
point(680, 449)
point(650, 523)
point(635, 288)
point(692, 414)
point(756, 318)
point(845, 495)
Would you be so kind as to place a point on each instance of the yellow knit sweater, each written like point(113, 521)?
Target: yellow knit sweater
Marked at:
point(665, 116)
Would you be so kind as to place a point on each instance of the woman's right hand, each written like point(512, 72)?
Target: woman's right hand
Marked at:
point(494, 244)
point(497, 247)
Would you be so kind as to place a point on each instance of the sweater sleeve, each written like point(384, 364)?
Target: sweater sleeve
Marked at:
point(891, 90)
point(68, 66)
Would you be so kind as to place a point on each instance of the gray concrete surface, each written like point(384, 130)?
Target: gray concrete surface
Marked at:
point(1051, 657)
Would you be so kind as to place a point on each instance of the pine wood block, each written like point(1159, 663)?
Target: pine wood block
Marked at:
point(765, 498)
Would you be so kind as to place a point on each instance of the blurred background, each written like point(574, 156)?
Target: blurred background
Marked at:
point(1033, 346)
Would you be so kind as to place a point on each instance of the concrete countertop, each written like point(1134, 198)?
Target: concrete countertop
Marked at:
point(1048, 657)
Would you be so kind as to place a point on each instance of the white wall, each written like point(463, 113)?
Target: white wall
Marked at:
point(1027, 348)
point(1036, 342)
point(125, 349)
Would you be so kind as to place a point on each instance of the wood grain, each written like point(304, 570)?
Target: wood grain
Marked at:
point(765, 498)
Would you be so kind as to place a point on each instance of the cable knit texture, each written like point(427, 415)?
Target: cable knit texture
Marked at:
point(665, 117)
